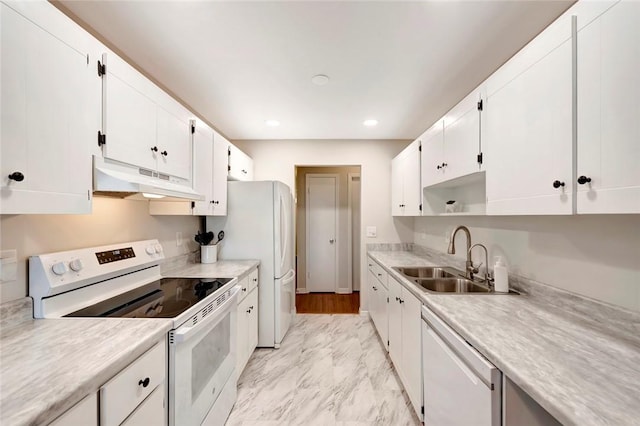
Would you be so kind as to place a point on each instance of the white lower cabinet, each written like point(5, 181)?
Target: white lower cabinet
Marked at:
point(150, 412)
point(84, 413)
point(404, 340)
point(124, 393)
point(247, 320)
point(378, 300)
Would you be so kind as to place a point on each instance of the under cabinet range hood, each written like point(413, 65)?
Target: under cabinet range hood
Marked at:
point(113, 178)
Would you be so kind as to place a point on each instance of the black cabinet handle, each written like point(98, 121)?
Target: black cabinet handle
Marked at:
point(583, 179)
point(17, 176)
point(375, 288)
point(401, 301)
point(438, 167)
point(248, 311)
point(244, 289)
point(255, 280)
point(557, 184)
point(444, 165)
point(397, 299)
point(165, 153)
point(144, 382)
point(154, 149)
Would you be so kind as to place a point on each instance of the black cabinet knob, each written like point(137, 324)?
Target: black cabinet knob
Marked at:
point(583, 179)
point(154, 149)
point(444, 165)
point(438, 167)
point(557, 184)
point(165, 153)
point(244, 289)
point(17, 176)
point(144, 382)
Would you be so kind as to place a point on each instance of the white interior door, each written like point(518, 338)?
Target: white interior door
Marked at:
point(322, 221)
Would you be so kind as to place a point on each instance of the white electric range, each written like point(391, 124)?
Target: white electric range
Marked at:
point(124, 280)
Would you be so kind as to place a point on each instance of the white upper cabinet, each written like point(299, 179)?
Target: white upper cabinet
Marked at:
point(451, 147)
point(50, 111)
point(608, 149)
point(203, 169)
point(209, 177)
point(461, 146)
point(405, 181)
point(528, 127)
point(143, 125)
point(220, 172)
point(240, 164)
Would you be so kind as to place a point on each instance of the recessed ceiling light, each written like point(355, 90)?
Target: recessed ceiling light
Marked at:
point(272, 123)
point(320, 79)
point(370, 122)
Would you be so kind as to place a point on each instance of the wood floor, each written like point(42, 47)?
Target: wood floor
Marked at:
point(328, 303)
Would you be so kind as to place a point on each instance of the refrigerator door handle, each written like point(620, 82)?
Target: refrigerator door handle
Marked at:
point(283, 224)
point(289, 276)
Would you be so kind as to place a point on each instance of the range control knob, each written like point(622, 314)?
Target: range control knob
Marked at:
point(150, 250)
point(59, 268)
point(76, 265)
point(158, 248)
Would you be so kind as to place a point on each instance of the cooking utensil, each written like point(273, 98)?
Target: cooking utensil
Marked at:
point(204, 239)
point(220, 237)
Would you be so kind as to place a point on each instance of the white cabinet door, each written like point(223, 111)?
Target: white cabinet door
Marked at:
point(174, 144)
point(382, 312)
point(397, 189)
point(462, 138)
point(203, 169)
point(609, 112)
point(48, 119)
point(220, 172)
point(240, 164)
point(395, 325)
point(129, 116)
point(252, 335)
point(242, 339)
point(84, 413)
point(372, 295)
point(411, 179)
point(411, 348)
point(432, 153)
point(529, 130)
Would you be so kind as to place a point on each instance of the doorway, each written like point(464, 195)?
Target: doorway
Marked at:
point(328, 208)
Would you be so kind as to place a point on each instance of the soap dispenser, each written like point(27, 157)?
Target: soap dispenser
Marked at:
point(501, 276)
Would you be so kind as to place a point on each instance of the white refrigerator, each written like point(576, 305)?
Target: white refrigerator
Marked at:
point(259, 225)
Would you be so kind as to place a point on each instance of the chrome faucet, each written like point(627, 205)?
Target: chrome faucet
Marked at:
point(452, 248)
point(487, 276)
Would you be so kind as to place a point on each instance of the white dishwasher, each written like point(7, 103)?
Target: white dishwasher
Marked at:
point(461, 387)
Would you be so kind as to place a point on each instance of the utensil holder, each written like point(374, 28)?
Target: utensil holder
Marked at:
point(208, 254)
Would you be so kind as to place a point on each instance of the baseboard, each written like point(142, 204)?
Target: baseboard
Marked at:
point(302, 291)
point(343, 291)
point(364, 313)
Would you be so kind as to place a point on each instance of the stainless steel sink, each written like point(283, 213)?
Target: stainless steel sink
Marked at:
point(444, 279)
point(451, 285)
point(428, 272)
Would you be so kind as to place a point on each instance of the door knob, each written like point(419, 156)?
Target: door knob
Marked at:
point(331, 241)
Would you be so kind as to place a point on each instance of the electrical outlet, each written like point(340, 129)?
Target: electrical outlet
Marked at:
point(372, 232)
point(179, 240)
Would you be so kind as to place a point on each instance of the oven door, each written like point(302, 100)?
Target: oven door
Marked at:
point(202, 359)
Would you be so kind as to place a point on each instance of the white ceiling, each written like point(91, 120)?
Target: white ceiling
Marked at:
point(240, 63)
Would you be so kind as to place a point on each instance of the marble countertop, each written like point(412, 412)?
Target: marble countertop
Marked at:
point(583, 369)
point(219, 269)
point(48, 365)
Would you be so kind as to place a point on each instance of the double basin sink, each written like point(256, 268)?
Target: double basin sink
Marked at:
point(442, 279)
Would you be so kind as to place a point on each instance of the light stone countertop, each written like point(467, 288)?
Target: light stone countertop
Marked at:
point(49, 365)
point(219, 269)
point(577, 362)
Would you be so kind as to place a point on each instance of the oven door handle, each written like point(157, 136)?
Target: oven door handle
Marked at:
point(184, 333)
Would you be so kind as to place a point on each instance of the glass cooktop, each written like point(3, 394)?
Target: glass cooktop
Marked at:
point(165, 298)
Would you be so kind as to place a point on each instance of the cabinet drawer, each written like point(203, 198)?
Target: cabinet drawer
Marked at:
point(244, 288)
point(253, 280)
point(123, 393)
point(151, 411)
point(380, 274)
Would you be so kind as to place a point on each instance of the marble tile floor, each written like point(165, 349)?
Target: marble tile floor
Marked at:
point(330, 370)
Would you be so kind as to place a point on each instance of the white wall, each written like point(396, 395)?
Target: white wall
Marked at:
point(595, 256)
point(112, 221)
point(276, 160)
